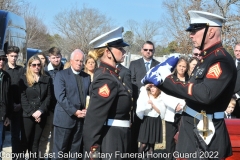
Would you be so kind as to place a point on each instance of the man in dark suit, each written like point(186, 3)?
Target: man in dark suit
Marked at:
point(54, 65)
point(138, 70)
point(229, 116)
point(70, 88)
point(237, 85)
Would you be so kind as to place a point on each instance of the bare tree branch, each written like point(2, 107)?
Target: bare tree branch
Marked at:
point(79, 27)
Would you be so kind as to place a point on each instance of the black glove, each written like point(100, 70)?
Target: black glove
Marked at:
point(234, 96)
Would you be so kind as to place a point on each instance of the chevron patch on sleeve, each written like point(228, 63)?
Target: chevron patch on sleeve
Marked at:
point(214, 71)
point(104, 91)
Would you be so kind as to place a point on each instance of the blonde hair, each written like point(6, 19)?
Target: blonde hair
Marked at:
point(67, 65)
point(96, 53)
point(87, 59)
point(232, 102)
point(29, 73)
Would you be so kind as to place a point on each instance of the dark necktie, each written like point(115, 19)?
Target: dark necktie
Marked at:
point(229, 116)
point(147, 65)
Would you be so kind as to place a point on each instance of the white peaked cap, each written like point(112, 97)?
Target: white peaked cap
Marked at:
point(112, 39)
point(206, 17)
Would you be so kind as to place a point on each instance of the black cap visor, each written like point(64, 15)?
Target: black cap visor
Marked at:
point(196, 26)
point(118, 43)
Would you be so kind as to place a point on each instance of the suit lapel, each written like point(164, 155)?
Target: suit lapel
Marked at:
point(72, 80)
point(119, 66)
point(238, 67)
point(142, 66)
point(154, 63)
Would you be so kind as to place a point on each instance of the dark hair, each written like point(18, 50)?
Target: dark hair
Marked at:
point(149, 42)
point(46, 59)
point(237, 44)
point(157, 94)
point(11, 49)
point(54, 51)
point(191, 59)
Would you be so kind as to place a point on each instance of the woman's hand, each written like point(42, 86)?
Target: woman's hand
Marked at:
point(6, 122)
point(37, 115)
point(150, 102)
point(178, 108)
point(153, 106)
point(38, 120)
point(148, 86)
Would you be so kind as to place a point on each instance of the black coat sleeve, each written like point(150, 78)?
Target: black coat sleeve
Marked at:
point(24, 100)
point(8, 98)
point(205, 92)
point(47, 98)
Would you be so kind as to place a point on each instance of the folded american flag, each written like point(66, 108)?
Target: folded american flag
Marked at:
point(157, 74)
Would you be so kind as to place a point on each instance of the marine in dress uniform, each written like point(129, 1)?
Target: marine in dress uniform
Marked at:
point(209, 90)
point(106, 128)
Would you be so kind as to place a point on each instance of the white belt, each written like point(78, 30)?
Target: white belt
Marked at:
point(117, 123)
point(193, 113)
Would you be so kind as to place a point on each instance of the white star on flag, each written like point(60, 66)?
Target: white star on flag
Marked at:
point(157, 74)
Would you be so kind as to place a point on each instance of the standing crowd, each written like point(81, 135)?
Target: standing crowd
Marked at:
point(95, 105)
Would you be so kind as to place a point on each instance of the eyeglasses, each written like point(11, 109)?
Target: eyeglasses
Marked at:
point(196, 54)
point(2, 59)
point(34, 65)
point(150, 50)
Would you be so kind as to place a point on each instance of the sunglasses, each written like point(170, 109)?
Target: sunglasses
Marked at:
point(150, 50)
point(2, 59)
point(196, 54)
point(34, 65)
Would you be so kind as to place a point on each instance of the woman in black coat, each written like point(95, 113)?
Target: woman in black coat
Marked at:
point(35, 99)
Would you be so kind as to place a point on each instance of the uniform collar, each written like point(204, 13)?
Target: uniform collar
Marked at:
point(210, 49)
point(109, 67)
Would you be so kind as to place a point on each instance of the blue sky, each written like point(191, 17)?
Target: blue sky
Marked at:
point(120, 11)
